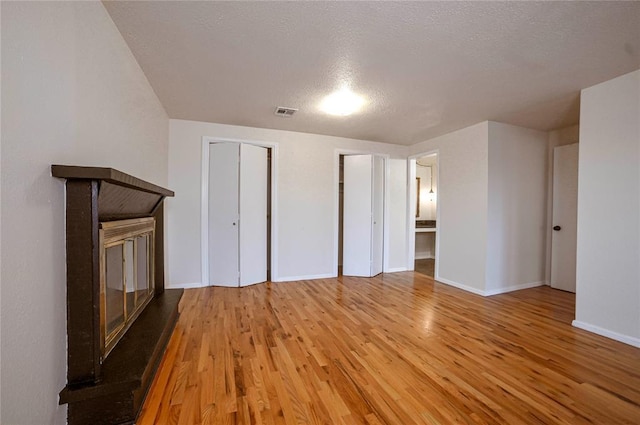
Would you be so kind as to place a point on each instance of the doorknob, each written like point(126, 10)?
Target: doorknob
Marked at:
point(557, 228)
point(234, 223)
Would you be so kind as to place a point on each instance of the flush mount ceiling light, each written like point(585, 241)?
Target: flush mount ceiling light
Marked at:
point(342, 103)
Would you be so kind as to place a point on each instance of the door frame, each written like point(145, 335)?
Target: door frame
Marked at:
point(336, 211)
point(411, 211)
point(204, 202)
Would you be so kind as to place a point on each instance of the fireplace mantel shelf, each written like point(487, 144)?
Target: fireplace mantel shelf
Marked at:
point(120, 196)
point(109, 175)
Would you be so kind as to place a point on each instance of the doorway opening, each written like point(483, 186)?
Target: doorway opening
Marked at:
point(424, 213)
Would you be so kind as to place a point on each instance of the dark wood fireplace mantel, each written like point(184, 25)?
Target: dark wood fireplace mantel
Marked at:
point(110, 391)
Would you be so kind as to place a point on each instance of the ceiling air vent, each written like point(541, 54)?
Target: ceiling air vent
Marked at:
point(282, 111)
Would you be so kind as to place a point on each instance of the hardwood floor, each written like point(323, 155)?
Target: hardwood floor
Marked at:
point(425, 266)
point(395, 349)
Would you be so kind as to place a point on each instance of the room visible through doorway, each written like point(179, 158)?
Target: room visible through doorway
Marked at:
point(426, 185)
point(425, 266)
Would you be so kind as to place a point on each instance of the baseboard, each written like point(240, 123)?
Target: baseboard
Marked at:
point(279, 279)
point(607, 333)
point(307, 277)
point(513, 288)
point(396, 269)
point(186, 285)
point(459, 286)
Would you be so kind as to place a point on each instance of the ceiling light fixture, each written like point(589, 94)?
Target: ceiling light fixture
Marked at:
point(342, 102)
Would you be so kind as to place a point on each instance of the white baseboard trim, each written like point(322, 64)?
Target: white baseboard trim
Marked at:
point(491, 292)
point(279, 279)
point(396, 269)
point(459, 286)
point(513, 288)
point(308, 277)
point(607, 333)
point(186, 285)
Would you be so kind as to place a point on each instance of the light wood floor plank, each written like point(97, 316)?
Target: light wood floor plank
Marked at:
point(395, 349)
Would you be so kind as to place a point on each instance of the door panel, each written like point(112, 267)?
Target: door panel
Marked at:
point(223, 214)
point(378, 216)
point(356, 256)
point(253, 214)
point(565, 207)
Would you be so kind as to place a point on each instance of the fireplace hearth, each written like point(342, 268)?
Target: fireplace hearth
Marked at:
point(119, 315)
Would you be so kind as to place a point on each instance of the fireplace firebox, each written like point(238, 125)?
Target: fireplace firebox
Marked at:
point(119, 315)
point(126, 272)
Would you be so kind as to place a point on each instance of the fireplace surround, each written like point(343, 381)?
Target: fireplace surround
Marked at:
point(119, 315)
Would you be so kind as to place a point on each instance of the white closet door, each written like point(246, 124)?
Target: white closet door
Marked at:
point(253, 214)
point(223, 214)
point(378, 216)
point(565, 217)
point(356, 254)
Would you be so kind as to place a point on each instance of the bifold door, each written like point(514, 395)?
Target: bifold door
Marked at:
point(224, 191)
point(237, 214)
point(253, 214)
point(363, 215)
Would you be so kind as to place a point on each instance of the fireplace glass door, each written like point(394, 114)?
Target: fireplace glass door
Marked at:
point(126, 275)
point(114, 297)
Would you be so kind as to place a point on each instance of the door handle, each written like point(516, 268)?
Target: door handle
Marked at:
point(234, 223)
point(557, 228)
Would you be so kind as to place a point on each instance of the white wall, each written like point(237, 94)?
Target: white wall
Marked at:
point(517, 194)
point(306, 199)
point(559, 137)
point(492, 201)
point(73, 94)
point(608, 253)
point(462, 198)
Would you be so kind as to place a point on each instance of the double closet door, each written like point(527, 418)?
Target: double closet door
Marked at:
point(237, 214)
point(363, 215)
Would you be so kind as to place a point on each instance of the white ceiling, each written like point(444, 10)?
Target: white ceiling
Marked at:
point(427, 68)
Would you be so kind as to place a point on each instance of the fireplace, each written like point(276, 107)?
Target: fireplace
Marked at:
point(119, 315)
point(126, 273)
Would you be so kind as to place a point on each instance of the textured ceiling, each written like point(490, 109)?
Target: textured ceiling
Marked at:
point(427, 68)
